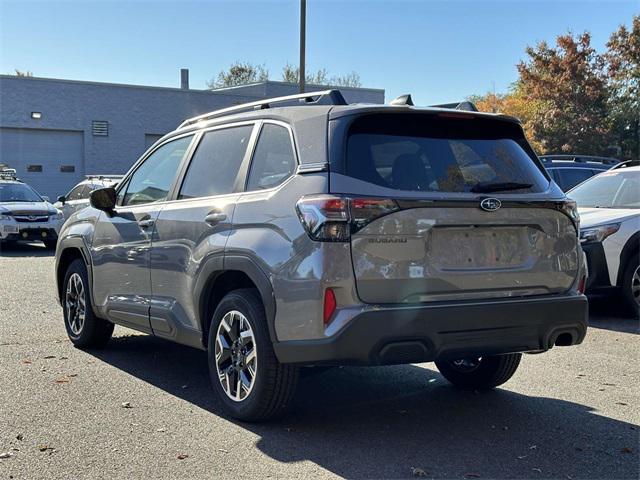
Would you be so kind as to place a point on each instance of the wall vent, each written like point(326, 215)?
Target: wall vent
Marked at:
point(100, 128)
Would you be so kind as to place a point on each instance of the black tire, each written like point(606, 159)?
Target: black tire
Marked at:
point(631, 280)
point(480, 373)
point(93, 332)
point(50, 244)
point(273, 384)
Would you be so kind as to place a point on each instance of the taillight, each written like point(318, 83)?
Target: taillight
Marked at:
point(582, 284)
point(329, 218)
point(329, 306)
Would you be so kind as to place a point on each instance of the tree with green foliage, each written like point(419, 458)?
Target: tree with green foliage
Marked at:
point(290, 73)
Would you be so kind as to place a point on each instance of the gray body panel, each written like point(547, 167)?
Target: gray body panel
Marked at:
point(155, 279)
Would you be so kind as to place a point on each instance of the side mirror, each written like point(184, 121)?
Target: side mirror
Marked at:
point(45, 198)
point(103, 199)
point(62, 199)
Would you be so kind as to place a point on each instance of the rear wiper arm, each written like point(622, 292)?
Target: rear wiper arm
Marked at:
point(499, 187)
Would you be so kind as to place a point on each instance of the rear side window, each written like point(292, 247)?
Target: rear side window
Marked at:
point(214, 167)
point(428, 153)
point(570, 177)
point(273, 160)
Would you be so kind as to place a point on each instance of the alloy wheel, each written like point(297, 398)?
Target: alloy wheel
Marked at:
point(75, 304)
point(235, 356)
point(635, 285)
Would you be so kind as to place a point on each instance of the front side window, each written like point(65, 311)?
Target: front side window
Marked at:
point(153, 179)
point(215, 164)
point(273, 160)
point(78, 193)
point(431, 154)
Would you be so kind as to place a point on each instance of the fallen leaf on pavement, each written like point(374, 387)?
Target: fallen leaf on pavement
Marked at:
point(19, 436)
point(72, 375)
point(418, 472)
point(626, 450)
point(26, 362)
point(160, 430)
point(533, 447)
point(6, 455)
point(43, 447)
point(126, 405)
point(49, 356)
point(622, 403)
point(223, 450)
point(182, 456)
point(536, 470)
point(472, 475)
point(62, 380)
point(520, 457)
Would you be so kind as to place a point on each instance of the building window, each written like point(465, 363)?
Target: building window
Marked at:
point(100, 128)
point(34, 168)
point(67, 168)
point(36, 115)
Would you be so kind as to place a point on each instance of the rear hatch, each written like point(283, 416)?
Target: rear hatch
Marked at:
point(447, 206)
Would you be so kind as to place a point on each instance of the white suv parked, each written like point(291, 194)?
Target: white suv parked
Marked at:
point(609, 206)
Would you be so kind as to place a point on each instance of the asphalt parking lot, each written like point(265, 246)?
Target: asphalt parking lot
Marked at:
point(571, 413)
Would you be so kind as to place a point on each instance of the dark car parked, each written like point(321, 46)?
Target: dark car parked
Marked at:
point(570, 170)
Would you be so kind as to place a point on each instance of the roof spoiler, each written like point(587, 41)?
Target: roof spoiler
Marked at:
point(324, 97)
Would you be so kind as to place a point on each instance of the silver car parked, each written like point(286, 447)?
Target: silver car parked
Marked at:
point(305, 231)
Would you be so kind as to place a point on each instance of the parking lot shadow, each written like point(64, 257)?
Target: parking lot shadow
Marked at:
point(25, 250)
point(608, 313)
point(381, 422)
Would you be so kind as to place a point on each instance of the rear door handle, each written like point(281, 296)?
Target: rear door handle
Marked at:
point(146, 223)
point(215, 218)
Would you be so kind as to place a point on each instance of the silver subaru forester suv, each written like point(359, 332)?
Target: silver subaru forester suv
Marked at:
point(304, 231)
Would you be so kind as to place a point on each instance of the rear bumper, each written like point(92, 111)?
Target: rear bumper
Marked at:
point(399, 334)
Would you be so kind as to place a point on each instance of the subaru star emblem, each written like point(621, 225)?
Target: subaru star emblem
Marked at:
point(490, 204)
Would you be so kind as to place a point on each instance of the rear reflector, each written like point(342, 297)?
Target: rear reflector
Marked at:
point(582, 284)
point(329, 306)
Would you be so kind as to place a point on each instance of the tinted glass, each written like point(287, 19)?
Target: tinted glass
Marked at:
point(216, 162)
point(432, 154)
point(609, 190)
point(570, 177)
point(18, 192)
point(273, 160)
point(152, 180)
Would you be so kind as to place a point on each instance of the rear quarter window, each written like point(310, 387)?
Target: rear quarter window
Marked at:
point(434, 154)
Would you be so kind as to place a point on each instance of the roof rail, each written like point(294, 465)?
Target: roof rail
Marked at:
point(468, 106)
point(334, 97)
point(104, 177)
point(579, 159)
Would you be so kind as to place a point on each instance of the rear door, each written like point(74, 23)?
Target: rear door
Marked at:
point(470, 216)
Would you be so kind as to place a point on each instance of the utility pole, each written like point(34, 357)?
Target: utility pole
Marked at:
point(303, 27)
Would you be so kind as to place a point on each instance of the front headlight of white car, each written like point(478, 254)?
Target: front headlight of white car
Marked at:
point(58, 215)
point(599, 233)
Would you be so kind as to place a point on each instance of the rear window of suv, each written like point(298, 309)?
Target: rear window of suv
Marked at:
point(432, 153)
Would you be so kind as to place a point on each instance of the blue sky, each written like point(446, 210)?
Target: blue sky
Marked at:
point(438, 51)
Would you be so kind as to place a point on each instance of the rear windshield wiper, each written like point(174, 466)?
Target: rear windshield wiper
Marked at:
point(499, 187)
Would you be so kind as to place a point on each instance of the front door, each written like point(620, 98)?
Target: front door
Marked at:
point(122, 239)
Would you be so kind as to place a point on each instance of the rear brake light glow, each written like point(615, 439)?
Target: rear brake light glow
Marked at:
point(330, 218)
point(329, 306)
point(582, 284)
